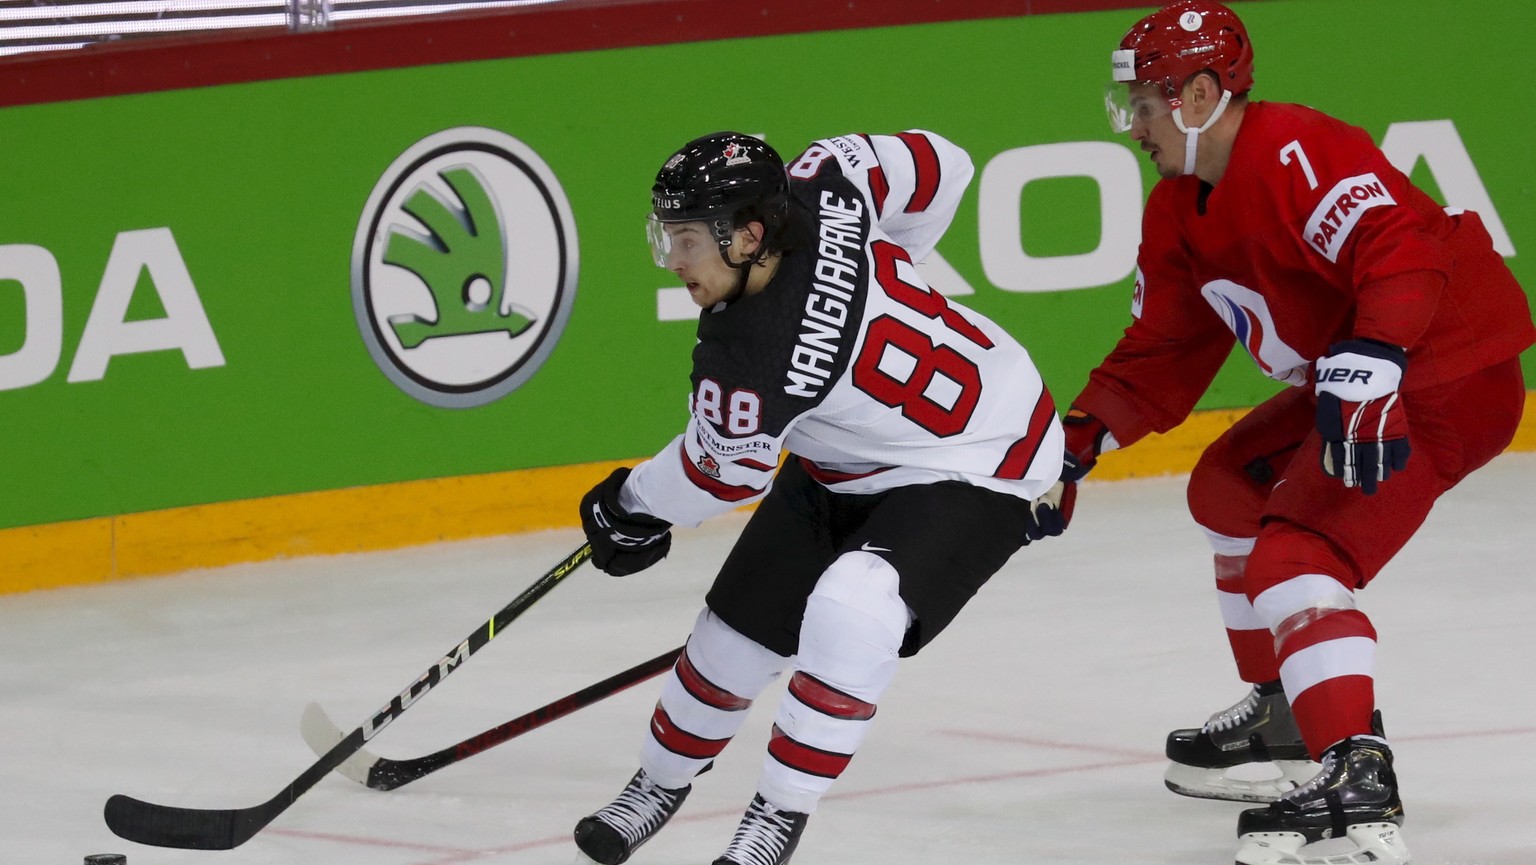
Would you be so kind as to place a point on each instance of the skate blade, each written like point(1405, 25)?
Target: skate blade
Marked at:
point(1230, 785)
point(1372, 843)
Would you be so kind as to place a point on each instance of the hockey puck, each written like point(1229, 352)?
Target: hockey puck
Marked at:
point(106, 859)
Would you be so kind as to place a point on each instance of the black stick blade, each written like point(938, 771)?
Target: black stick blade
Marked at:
point(184, 828)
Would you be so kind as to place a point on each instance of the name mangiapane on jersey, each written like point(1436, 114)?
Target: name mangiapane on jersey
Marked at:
point(841, 253)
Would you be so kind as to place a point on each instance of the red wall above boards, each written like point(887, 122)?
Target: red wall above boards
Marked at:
point(171, 63)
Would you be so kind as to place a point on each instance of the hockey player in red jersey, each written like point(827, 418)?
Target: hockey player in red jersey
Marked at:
point(919, 450)
point(1398, 329)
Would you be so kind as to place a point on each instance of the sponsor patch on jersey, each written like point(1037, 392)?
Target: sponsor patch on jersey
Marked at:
point(709, 466)
point(854, 149)
point(1138, 294)
point(1340, 210)
point(735, 448)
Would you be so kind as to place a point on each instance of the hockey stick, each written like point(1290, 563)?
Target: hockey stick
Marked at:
point(225, 829)
point(382, 773)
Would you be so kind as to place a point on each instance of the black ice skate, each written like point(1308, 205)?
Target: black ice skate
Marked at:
point(766, 836)
point(1353, 800)
point(612, 834)
point(1257, 729)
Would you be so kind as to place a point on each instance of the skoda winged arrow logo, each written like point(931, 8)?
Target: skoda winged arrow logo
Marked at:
point(462, 262)
point(464, 267)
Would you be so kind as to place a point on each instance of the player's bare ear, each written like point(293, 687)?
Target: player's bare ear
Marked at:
point(751, 237)
point(1202, 90)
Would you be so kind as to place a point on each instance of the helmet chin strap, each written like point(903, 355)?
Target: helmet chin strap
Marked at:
point(743, 269)
point(743, 273)
point(1192, 136)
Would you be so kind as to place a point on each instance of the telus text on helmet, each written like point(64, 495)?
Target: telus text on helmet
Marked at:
point(840, 255)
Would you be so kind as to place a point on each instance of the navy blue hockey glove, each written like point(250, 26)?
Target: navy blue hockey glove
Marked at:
point(622, 543)
point(1050, 514)
point(1086, 438)
point(1359, 413)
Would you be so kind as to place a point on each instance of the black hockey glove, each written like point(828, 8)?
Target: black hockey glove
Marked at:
point(622, 543)
point(1359, 414)
point(1050, 514)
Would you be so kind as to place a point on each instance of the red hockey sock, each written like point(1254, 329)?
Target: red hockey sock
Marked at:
point(1253, 646)
point(1326, 665)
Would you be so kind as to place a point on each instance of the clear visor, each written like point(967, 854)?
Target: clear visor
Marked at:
point(1134, 103)
point(679, 244)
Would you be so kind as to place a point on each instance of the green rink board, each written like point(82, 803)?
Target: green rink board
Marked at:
point(262, 186)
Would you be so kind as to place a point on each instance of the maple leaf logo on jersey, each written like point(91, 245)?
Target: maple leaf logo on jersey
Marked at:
point(709, 466)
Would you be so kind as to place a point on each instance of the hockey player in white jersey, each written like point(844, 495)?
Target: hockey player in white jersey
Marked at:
point(910, 447)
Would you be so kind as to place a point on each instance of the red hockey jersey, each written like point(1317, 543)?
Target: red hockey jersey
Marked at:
point(1311, 237)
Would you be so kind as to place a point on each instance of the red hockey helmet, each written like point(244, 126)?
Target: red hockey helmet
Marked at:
point(1174, 43)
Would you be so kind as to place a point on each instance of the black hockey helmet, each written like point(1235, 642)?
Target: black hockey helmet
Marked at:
point(725, 179)
point(715, 176)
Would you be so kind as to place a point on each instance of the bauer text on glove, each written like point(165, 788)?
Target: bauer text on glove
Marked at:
point(1360, 413)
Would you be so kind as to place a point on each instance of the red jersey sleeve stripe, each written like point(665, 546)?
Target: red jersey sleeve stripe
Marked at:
point(722, 491)
point(878, 187)
point(1022, 452)
point(927, 163)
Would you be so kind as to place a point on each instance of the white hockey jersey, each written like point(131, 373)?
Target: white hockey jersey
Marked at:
point(850, 362)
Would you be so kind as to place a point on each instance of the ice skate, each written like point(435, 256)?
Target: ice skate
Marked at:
point(766, 836)
point(1225, 759)
point(611, 835)
point(1349, 814)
